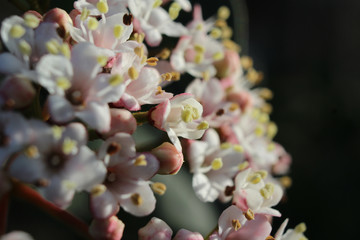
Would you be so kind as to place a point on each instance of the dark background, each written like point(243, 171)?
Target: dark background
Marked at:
point(309, 52)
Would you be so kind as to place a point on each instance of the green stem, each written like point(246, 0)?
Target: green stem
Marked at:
point(141, 117)
point(25, 193)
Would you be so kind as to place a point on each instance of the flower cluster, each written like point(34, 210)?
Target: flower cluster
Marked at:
point(77, 85)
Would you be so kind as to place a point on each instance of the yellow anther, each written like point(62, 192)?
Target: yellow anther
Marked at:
point(236, 224)
point(262, 173)
point(57, 132)
point(102, 6)
point(139, 51)
point(271, 147)
point(140, 160)
point(218, 56)
point(84, 14)
point(174, 10)
point(243, 165)
point(166, 76)
point(249, 214)
point(199, 48)
point(267, 108)
point(102, 60)
point(92, 23)
point(118, 31)
point(199, 58)
point(143, 60)
point(17, 31)
point(70, 185)
point(227, 32)
point(216, 33)
point(164, 54)
point(216, 164)
point(254, 178)
point(98, 190)
point(300, 228)
point(254, 76)
point(133, 73)
point(63, 83)
point(69, 146)
point(238, 148)
point(152, 61)
point(231, 45)
point(158, 188)
point(220, 23)
point(32, 151)
point(189, 114)
point(225, 145)
point(199, 27)
point(25, 47)
point(267, 191)
point(136, 199)
point(264, 118)
point(65, 50)
point(246, 62)
point(31, 20)
point(233, 107)
point(285, 181)
point(115, 80)
point(157, 3)
point(303, 238)
point(272, 130)
point(266, 93)
point(203, 126)
point(255, 113)
point(159, 90)
point(139, 37)
point(52, 46)
point(259, 131)
point(175, 76)
point(205, 75)
point(223, 12)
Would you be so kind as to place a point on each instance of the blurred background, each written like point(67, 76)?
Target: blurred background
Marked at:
point(309, 52)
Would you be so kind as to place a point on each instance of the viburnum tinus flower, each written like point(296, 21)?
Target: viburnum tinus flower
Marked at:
point(58, 161)
point(252, 191)
point(291, 234)
point(179, 116)
point(76, 88)
point(100, 7)
point(213, 165)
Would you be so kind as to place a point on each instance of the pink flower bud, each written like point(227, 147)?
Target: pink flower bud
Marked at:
point(121, 121)
point(16, 92)
point(184, 234)
point(230, 64)
point(108, 229)
point(156, 229)
point(60, 17)
point(169, 157)
point(242, 98)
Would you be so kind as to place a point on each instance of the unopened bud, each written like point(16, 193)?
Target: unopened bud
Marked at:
point(169, 157)
point(155, 229)
point(59, 16)
point(17, 92)
point(107, 229)
point(121, 121)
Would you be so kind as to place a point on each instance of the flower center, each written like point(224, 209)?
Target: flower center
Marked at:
point(75, 97)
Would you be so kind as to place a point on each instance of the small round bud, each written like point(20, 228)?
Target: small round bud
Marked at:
point(170, 159)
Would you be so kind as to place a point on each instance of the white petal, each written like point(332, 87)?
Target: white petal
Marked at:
point(60, 109)
point(97, 115)
point(203, 189)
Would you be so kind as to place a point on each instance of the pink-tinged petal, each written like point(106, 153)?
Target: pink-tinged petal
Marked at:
point(121, 121)
point(26, 169)
point(257, 229)
point(225, 225)
point(107, 229)
point(10, 64)
point(139, 203)
point(129, 102)
point(46, 31)
point(159, 114)
point(185, 4)
point(241, 177)
point(96, 115)
point(104, 205)
point(203, 189)
point(239, 199)
point(253, 198)
point(184, 234)
point(146, 171)
point(197, 13)
point(61, 111)
point(62, 18)
point(169, 157)
point(58, 192)
point(196, 154)
point(152, 36)
point(76, 131)
point(155, 229)
point(16, 92)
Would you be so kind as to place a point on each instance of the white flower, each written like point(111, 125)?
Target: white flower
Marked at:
point(291, 234)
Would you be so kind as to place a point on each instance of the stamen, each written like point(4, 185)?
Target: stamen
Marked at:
point(17, 31)
point(267, 191)
point(139, 37)
point(158, 188)
point(205, 75)
point(140, 160)
point(226, 32)
point(136, 199)
point(267, 108)
point(271, 147)
point(102, 6)
point(69, 146)
point(102, 60)
point(57, 132)
point(285, 181)
point(31, 20)
point(236, 224)
point(166, 76)
point(199, 27)
point(254, 76)
point(266, 93)
point(113, 148)
point(157, 3)
point(216, 33)
point(92, 23)
point(199, 48)
point(52, 46)
point(199, 58)
point(259, 131)
point(225, 145)
point(216, 164)
point(218, 56)
point(25, 47)
point(65, 50)
point(152, 61)
point(231, 45)
point(164, 54)
point(300, 228)
point(84, 14)
point(32, 151)
point(271, 130)
point(246, 62)
point(249, 214)
point(118, 31)
point(115, 80)
point(159, 90)
point(263, 173)
point(139, 51)
point(233, 107)
point(223, 12)
point(70, 185)
point(63, 83)
point(175, 76)
point(269, 238)
point(243, 165)
point(263, 118)
point(238, 148)
point(133, 73)
point(98, 190)
point(203, 126)
point(254, 178)
point(174, 10)
point(189, 113)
